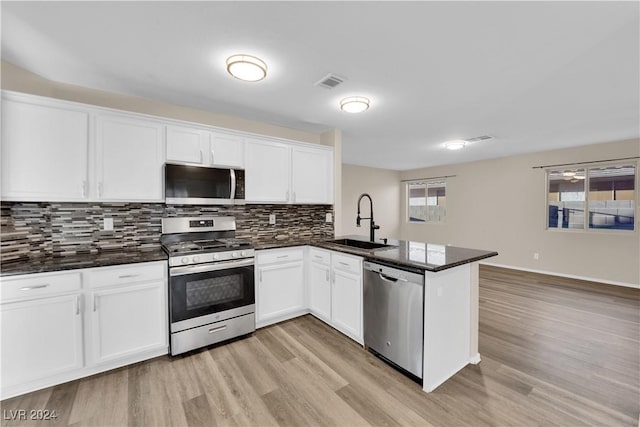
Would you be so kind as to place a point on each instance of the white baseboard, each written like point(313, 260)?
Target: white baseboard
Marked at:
point(475, 359)
point(569, 276)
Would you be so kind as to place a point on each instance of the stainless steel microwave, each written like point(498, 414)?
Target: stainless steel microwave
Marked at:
point(201, 185)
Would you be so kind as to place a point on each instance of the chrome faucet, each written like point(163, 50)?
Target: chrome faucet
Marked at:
point(373, 227)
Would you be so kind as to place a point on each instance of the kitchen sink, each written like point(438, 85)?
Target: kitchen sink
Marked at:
point(359, 244)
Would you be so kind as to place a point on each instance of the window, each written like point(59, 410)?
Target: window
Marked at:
point(426, 201)
point(593, 198)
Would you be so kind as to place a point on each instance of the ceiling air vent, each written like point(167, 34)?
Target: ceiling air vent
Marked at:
point(479, 139)
point(330, 81)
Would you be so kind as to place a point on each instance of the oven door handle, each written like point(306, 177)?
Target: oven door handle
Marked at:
point(203, 268)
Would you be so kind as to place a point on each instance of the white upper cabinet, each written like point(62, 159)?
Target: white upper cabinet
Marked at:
point(54, 150)
point(44, 152)
point(227, 150)
point(200, 146)
point(285, 173)
point(312, 175)
point(129, 159)
point(267, 172)
point(188, 145)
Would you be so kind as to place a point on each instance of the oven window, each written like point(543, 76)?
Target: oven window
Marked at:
point(218, 290)
point(204, 293)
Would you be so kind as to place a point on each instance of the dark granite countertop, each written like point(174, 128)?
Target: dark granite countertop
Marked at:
point(69, 262)
point(424, 256)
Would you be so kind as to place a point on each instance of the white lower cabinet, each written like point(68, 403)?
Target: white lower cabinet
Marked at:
point(331, 292)
point(40, 338)
point(319, 284)
point(127, 320)
point(279, 285)
point(346, 295)
point(58, 327)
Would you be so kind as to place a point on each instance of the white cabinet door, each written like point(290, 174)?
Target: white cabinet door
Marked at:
point(129, 159)
point(127, 320)
point(267, 172)
point(312, 175)
point(188, 145)
point(320, 290)
point(226, 150)
point(44, 152)
point(40, 338)
point(280, 290)
point(346, 303)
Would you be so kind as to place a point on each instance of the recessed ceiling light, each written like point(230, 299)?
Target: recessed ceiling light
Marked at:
point(456, 144)
point(354, 104)
point(246, 67)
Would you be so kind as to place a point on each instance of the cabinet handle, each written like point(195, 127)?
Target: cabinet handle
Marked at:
point(218, 329)
point(260, 279)
point(327, 275)
point(333, 277)
point(294, 196)
point(127, 276)
point(343, 263)
point(84, 188)
point(95, 303)
point(201, 157)
point(212, 157)
point(30, 288)
point(282, 256)
point(287, 195)
point(77, 305)
point(100, 188)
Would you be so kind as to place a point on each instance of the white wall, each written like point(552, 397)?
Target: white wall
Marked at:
point(384, 188)
point(500, 205)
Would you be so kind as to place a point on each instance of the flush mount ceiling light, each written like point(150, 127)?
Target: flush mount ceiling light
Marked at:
point(355, 104)
point(246, 67)
point(456, 144)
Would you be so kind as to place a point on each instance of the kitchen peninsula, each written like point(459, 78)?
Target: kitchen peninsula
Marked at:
point(450, 299)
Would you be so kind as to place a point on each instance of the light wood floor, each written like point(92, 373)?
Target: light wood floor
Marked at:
point(554, 352)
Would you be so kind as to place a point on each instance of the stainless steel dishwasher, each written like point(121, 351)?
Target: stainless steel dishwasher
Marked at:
point(394, 315)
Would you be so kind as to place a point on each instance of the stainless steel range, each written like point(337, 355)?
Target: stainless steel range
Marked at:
point(211, 281)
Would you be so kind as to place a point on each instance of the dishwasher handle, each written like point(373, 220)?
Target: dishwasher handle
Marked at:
point(391, 279)
point(393, 275)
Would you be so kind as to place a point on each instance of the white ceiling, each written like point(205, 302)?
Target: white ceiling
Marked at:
point(536, 75)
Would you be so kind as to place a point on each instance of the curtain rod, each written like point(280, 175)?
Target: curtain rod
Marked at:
point(585, 163)
point(431, 177)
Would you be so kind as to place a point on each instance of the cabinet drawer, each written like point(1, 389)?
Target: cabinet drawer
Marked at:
point(113, 276)
point(280, 255)
point(320, 256)
point(35, 285)
point(347, 263)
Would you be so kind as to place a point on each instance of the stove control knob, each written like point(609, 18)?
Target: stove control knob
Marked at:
point(216, 256)
point(184, 260)
point(243, 253)
point(196, 258)
point(234, 255)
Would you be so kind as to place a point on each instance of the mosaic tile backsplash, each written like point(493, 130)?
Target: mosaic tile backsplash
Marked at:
point(30, 230)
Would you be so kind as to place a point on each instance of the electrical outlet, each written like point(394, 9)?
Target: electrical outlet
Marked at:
point(272, 219)
point(536, 256)
point(107, 224)
point(328, 217)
